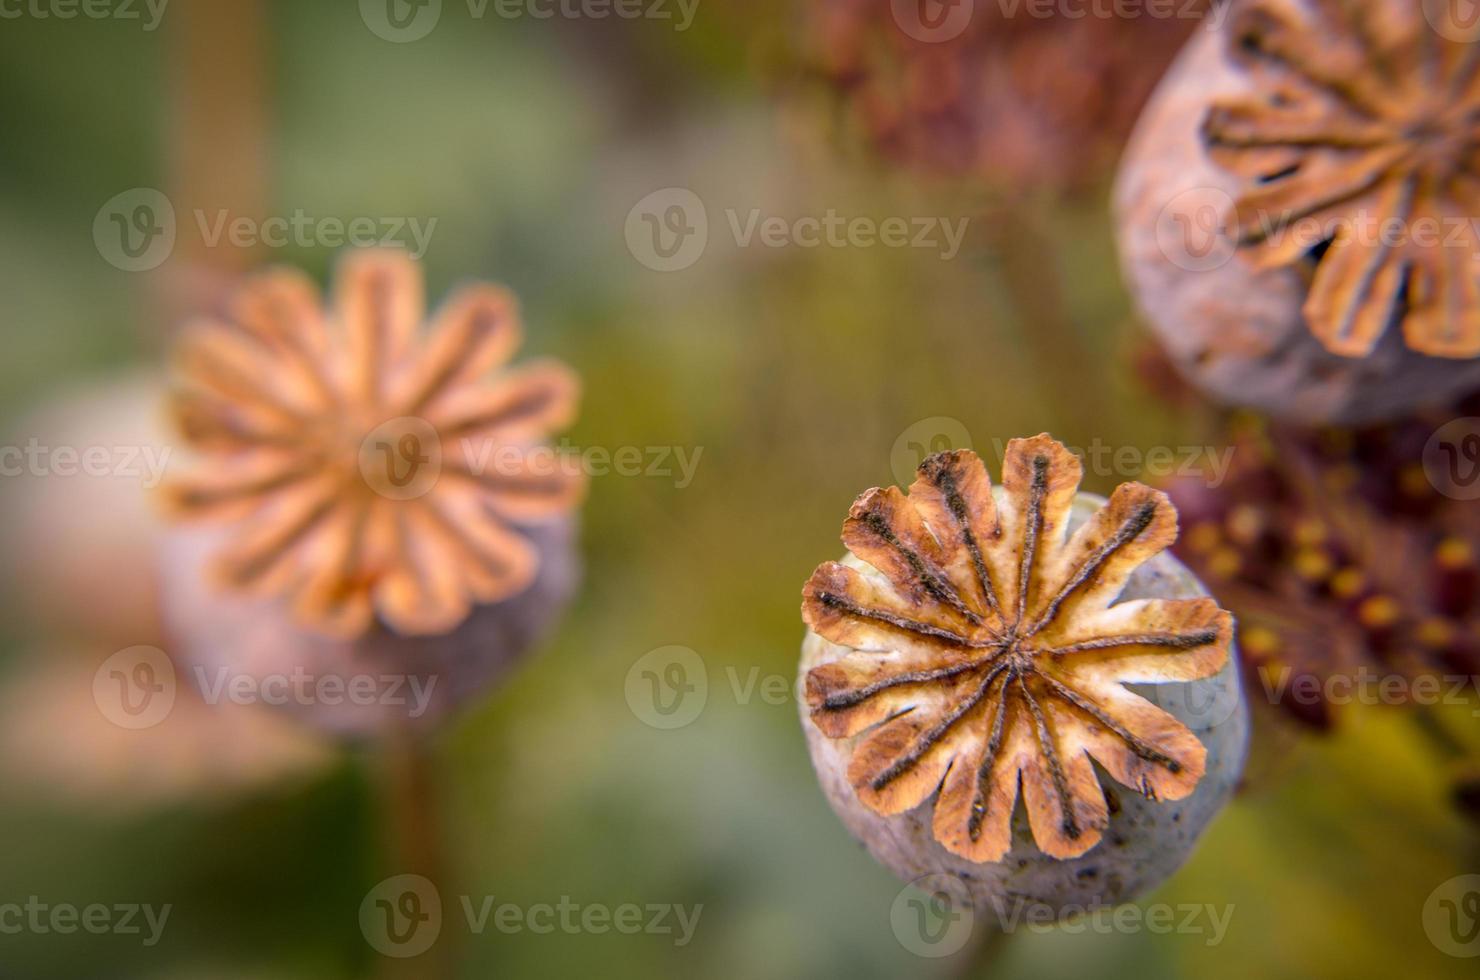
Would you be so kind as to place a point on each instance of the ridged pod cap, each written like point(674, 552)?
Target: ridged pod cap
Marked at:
point(978, 675)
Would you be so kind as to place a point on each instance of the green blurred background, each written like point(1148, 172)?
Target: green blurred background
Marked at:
point(797, 373)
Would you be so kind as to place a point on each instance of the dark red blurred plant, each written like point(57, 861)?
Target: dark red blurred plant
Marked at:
point(1340, 559)
point(1015, 95)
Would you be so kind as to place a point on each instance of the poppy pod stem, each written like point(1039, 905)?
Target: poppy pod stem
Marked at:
point(1027, 257)
point(407, 772)
point(986, 945)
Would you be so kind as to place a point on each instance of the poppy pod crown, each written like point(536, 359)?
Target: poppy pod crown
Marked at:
point(1004, 656)
point(368, 469)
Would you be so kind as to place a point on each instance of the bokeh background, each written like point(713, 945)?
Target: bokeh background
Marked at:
point(797, 376)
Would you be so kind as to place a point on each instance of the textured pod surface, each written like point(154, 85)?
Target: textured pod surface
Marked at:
point(1145, 840)
point(215, 635)
point(1234, 328)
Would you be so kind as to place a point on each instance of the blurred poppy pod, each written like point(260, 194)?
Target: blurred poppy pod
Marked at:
point(1017, 98)
point(373, 508)
point(982, 644)
point(84, 464)
point(1294, 205)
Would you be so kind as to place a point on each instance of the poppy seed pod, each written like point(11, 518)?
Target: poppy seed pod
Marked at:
point(1293, 205)
point(370, 501)
point(88, 530)
point(981, 648)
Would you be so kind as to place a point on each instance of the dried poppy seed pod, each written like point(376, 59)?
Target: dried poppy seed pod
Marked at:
point(976, 645)
point(1293, 211)
point(371, 507)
